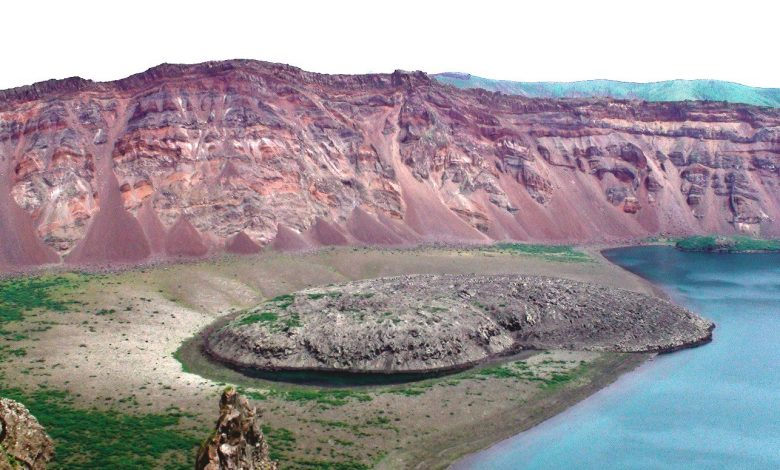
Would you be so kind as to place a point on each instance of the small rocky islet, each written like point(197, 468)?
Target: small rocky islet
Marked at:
point(428, 323)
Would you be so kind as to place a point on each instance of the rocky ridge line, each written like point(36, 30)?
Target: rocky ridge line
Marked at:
point(192, 160)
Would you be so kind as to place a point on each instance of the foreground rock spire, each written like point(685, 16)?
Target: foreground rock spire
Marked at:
point(237, 442)
point(24, 443)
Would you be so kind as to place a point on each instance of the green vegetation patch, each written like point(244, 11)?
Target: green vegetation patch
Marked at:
point(6, 352)
point(281, 442)
point(563, 253)
point(520, 370)
point(711, 243)
point(274, 315)
point(323, 397)
point(409, 392)
point(413, 390)
point(319, 295)
point(20, 295)
point(178, 355)
point(557, 379)
point(26, 294)
point(283, 301)
point(262, 317)
point(10, 459)
point(698, 243)
point(97, 439)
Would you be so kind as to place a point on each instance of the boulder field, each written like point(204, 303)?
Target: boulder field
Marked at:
point(425, 323)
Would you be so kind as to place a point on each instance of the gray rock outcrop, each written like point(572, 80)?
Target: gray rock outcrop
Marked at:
point(237, 443)
point(437, 322)
point(24, 444)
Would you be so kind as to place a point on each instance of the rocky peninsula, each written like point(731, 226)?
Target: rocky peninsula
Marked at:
point(426, 323)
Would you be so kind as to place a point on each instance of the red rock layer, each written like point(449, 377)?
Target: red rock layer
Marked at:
point(20, 245)
point(243, 146)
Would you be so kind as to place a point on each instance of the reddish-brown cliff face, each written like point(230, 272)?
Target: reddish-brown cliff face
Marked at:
point(180, 160)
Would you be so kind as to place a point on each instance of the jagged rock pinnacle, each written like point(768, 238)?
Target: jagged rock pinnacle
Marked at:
point(237, 443)
point(24, 443)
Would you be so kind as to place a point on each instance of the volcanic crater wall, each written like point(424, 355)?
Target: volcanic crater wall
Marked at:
point(182, 159)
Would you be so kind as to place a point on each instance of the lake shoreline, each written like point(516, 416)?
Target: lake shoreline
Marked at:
point(605, 379)
point(457, 457)
point(701, 405)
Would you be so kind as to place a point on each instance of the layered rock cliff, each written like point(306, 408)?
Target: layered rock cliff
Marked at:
point(188, 160)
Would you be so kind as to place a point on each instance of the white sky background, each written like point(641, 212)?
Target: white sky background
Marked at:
point(514, 40)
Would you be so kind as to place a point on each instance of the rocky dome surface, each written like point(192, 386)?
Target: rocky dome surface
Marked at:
point(24, 443)
point(182, 159)
point(438, 322)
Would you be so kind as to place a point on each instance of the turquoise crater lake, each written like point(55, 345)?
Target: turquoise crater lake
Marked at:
point(713, 407)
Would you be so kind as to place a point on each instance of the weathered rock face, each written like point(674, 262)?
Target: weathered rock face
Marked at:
point(238, 442)
point(425, 323)
point(243, 146)
point(24, 444)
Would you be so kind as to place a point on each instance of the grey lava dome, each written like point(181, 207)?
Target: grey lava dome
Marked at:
point(425, 323)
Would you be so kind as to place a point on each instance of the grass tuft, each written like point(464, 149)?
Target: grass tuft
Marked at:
point(262, 317)
point(20, 295)
point(324, 397)
point(563, 253)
